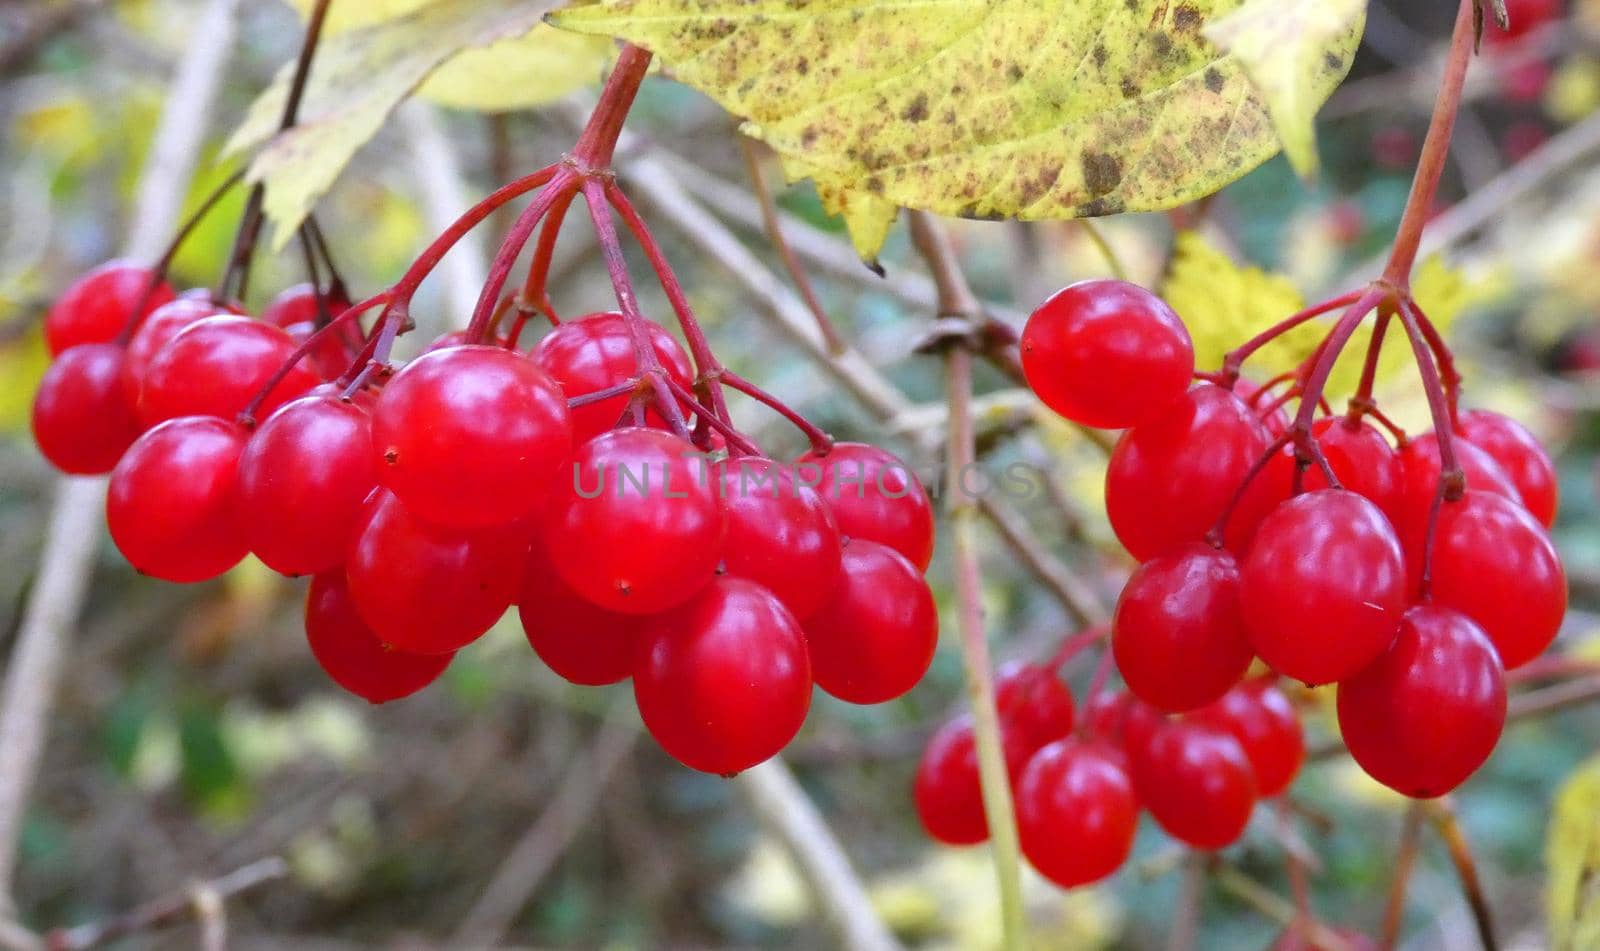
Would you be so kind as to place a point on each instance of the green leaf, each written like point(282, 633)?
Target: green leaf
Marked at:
point(358, 79)
point(1013, 108)
point(1282, 46)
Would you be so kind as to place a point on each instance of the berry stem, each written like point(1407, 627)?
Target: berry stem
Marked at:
point(605, 229)
point(1075, 645)
point(1218, 531)
point(247, 416)
point(1306, 449)
point(474, 216)
point(158, 272)
point(1449, 375)
point(1362, 401)
point(707, 367)
point(820, 440)
point(738, 443)
point(236, 276)
point(560, 188)
point(598, 140)
point(535, 294)
point(1236, 357)
point(1435, 150)
point(1452, 480)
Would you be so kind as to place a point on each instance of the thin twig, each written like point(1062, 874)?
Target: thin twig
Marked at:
point(1455, 840)
point(202, 899)
point(1405, 859)
point(783, 807)
point(1186, 916)
point(957, 301)
point(75, 520)
point(532, 857)
point(797, 272)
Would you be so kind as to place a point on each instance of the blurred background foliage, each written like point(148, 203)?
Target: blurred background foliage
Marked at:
point(195, 733)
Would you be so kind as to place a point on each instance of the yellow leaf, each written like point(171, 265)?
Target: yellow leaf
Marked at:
point(1281, 45)
point(360, 77)
point(22, 366)
point(867, 217)
point(1010, 108)
point(1572, 860)
point(512, 74)
point(1224, 304)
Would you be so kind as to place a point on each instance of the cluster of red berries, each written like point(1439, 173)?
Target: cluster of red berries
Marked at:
point(1080, 785)
point(425, 502)
point(1349, 572)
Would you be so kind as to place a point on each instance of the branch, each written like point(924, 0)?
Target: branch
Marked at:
point(784, 808)
point(957, 302)
point(535, 854)
point(202, 899)
point(1081, 602)
point(78, 512)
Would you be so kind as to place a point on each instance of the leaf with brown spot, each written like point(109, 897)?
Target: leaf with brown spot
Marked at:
point(1009, 108)
point(1290, 49)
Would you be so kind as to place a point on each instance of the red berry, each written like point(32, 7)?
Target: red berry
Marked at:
point(582, 643)
point(1519, 455)
point(95, 307)
point(1076, 812)
point(1522, 139)
point(1361, 459)
point(595, 352)
point(298, 305)
point(1035, 705)
point(1427, 713)
point(353, 656)
point(946, 791)
point(1494, 563)
point(1419, 474)
point(331, 355)
point(781, 534)
point(638, 524)
point(1395, 147)
point(873, 496)
point(1323, 586)
point(874, 638)
point(1197, 783)
point(172, 504)
point(164, 323)
point(723, 682)
point(1525, 82)
point(82, 420)
point(1525, 17)
point(430, 590)
point(1122, 720)
point(1106, 353)
point(1177, 635)
point(471, 436)
point(1172, 477)
point(1262, 719)
point(216, 366)
point(302, 481)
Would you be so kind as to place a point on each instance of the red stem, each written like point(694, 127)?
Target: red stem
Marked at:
point(1075, 645)
point(430, 257)
point(1236, 357)
point(1311, 390)
point(1449, 375)
point(158, 272)
point(820, 440)
point(247, 416)
point(563, 186)
point(1452, 481)
point(1362, 401)
point(599, 138)
point(605, 229)
point(535, 292)
point(738, 443)
point(706, 365)
point(1435, 150)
